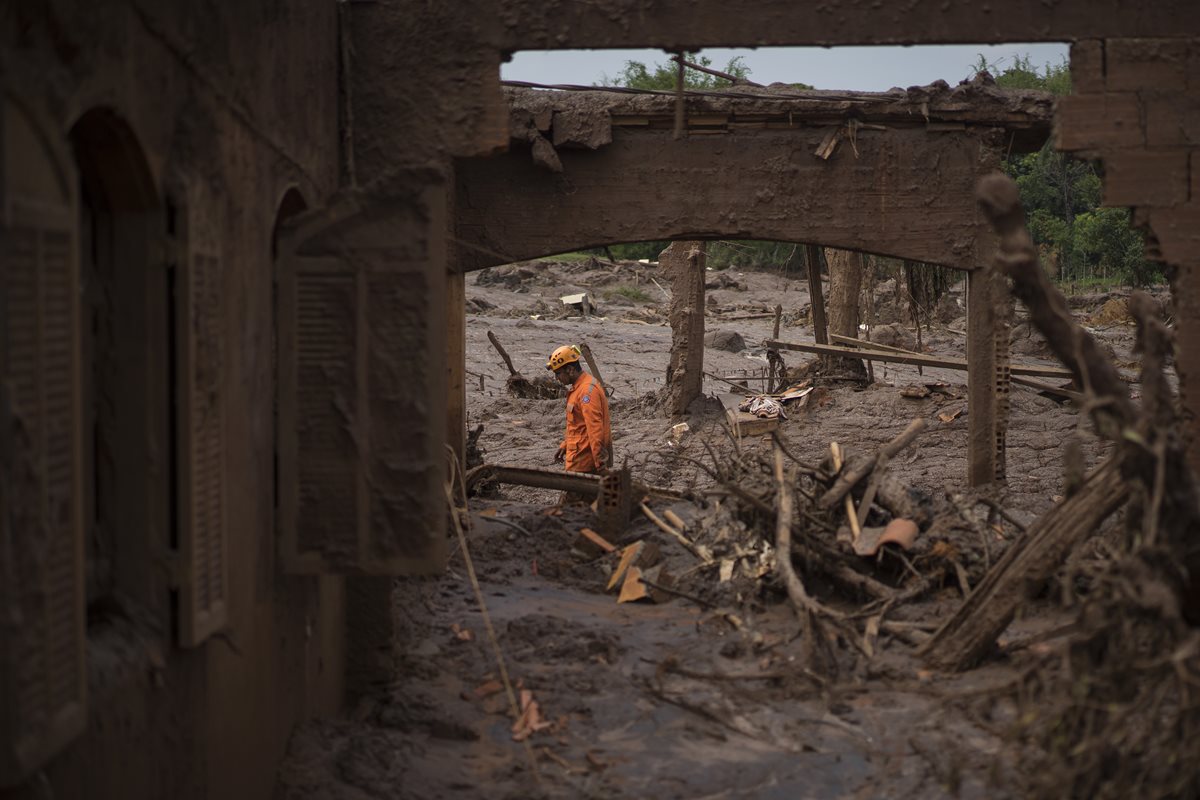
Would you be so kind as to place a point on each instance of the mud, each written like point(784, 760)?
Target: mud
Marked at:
point(701, 697)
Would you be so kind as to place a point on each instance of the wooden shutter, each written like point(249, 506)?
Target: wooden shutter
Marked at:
point(200, 402)
point(43, 679)
point(361, 383)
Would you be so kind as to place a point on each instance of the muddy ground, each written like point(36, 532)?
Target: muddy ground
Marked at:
point(711, 696)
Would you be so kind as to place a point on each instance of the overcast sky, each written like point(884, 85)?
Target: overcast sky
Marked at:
point(861, 68)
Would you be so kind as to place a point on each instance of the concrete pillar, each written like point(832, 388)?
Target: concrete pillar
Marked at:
point(988, 337)
point(684, 263)
point(456, 363)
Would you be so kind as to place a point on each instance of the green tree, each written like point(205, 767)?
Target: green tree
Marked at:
point(1062, 197)
point(636, 75)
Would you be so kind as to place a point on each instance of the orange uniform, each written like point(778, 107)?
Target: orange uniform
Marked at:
point(588, 432)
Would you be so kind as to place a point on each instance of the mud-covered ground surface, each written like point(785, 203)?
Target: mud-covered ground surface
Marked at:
point(716, 694)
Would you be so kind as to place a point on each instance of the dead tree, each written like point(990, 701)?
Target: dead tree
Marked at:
point(1148, 460)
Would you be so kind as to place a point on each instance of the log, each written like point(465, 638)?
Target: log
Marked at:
point(916, 359)
point(861, 469)
point(964, 639)
point(503, 354)
point(577, 482)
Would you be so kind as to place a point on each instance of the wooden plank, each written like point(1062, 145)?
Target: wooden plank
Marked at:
point(944, 362)
point(837, 338)
point(1047, 388)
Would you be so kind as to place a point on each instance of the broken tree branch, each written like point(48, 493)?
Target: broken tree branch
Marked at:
point(678, 535)
point(734, 79)
point(966, 637)
point(503, 353)
point(1075, 347)
point(861, 469)
point(800, 597)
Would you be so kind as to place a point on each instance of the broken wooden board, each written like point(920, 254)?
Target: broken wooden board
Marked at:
point(640, 555)
point(743, 423)
point(591, 544)
point(915, 359)
point(648, 584)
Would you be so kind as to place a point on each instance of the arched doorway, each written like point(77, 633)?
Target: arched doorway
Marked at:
point(128, 454)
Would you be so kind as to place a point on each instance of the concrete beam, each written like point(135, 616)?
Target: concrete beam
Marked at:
point(901, 193)
point(693, 24)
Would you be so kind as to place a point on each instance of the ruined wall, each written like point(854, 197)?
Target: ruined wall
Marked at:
point(1136, 108)
point(230, 105)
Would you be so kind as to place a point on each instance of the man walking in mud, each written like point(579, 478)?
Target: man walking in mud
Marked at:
point(587, 446)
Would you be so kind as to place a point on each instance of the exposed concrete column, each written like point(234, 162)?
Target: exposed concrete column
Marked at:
point(456, 363)
point(989, 309)
point(684, 264)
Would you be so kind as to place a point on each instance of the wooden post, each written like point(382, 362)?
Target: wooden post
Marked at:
point(987, 376)
point(684, 263)
point(816, 294)
point(456, 363)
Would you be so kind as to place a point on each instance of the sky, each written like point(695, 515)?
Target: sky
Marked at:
point(874, 69)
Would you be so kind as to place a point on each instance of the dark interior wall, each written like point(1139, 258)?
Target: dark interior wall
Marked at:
point(230, 105)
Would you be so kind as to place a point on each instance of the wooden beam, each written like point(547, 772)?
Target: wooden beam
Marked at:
point(456, 364)
point(577, 482)
point(915, 359)
point(816, 293)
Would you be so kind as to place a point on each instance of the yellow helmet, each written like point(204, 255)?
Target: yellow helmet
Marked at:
point(567, 354)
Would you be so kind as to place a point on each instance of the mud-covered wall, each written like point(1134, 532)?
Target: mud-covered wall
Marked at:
point(903, 193)
point(1136, 109)
point(692, 24)
point(230, 104)
point(458, 71)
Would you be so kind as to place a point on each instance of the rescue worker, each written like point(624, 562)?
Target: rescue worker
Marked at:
point(587, 446)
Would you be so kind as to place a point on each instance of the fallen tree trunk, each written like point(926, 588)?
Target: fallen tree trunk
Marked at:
point(966, 637)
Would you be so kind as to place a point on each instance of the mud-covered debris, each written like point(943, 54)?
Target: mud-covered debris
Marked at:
point(915, 392)
point(730, 341)
point(900, 532)
point(653, 584)
point(721, 280)
point(763, 407)
point(579, 301)
point(590, 544)
point(641, 554)
point(530, 721)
